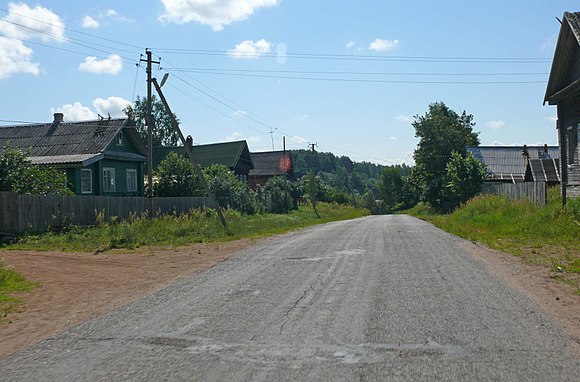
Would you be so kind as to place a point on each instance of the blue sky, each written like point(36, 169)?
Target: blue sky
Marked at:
point(348, 75)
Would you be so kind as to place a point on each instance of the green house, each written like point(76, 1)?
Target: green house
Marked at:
point(104, 157)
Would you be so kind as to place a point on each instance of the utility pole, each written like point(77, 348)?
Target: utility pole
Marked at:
point(190, 154)
point(312, 145)
point(272, 137)
point(150, 125)
point(285, 159)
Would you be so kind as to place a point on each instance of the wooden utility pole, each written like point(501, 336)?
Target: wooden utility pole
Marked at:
point(190, 154)
point(285, 174)
point(150, 125)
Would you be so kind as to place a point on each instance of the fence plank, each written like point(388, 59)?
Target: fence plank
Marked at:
point(535, 192)
point(35, 213)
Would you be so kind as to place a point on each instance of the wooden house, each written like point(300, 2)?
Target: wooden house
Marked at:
point(102, 157)
point(563, 90)
point(234, 155)
point(509, 164)
point(269, 164)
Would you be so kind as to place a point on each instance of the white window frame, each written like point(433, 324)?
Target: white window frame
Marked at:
point(109, 184)
point(88, 190)
point(131, 180)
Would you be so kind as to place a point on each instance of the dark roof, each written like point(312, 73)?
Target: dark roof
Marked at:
point(545, 170)
point(269, 163)
point(508, 162)
point(70, 142)
point(230, 154)
point(564, 56)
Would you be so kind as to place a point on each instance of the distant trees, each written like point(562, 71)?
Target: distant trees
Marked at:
point(163, 134)
point(441, 132)
point(19, 175)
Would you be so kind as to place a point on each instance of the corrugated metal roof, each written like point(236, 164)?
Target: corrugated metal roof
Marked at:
point(268, 163)
point(545, 170)
point(64, 159)
point(507, 162)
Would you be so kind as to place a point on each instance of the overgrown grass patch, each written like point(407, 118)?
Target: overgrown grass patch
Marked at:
point(549, 235)
point(11, 282)
point(197, 226)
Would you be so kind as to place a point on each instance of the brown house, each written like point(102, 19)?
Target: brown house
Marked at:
point(269, 164)
point(563, 90)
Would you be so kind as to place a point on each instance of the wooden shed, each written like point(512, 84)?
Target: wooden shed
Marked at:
point(563, 90)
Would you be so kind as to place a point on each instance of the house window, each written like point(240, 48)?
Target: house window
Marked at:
point(572, 144)
point(109, 179)
point(131, 180)
point(120, 139)
point(86, 181)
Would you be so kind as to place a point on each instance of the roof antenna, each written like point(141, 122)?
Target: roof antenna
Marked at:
point(109, 114)
point(101, 117)
point(560, 21)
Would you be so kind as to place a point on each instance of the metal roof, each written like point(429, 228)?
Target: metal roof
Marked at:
point(268, 163)
point(508, 162)
point(545, 170)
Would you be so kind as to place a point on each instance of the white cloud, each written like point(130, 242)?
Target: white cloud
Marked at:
point(393, 138)
point(249, 49)
point(237, 136)
point(552, 119)
point(110, 65)
point(215, 13)
point(298, 140)
point(75, 112)
point(496, 125)
point(15, 57)
point(549, 43)
point(351, 44)
point(303, 117)
point(89, 23)
point(111, 106)
point(404, 119)
point(407, 159)
point(23, 22)
point(383, 45)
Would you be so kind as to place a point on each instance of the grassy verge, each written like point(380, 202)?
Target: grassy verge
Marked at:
point(198, 226)
point(549, 236)
point(11, 282)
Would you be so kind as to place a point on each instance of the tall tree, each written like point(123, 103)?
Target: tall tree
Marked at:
point(390, 186)
point(440, 131)
point(163, 134)
point(465, 176)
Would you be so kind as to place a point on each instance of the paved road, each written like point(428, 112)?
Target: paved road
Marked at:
point(379, 298)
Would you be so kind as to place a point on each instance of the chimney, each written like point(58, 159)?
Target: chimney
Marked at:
point(189, 141)
point(525, 151)
point(58, 117)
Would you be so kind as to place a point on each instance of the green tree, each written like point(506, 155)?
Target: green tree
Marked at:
point(312, 188)
point(390, 187)
point(18, 174)
point(163, 134)
point(281, 195)
point(176, 177)
point(440, 131)
point(465, 176)
point(229, 190)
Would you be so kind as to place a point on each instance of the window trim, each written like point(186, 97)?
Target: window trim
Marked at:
point(109, 186)
point(131, 175)
point(90, 179)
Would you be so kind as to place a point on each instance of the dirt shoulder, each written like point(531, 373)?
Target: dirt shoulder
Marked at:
point(80, 286)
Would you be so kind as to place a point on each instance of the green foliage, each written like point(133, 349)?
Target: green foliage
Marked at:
point(163, 134)
point(229, 190)
point(176, 177)
point(547, 236)
point(312, 189)
point(390, 187)
point(280, 195)
point(10, 283)
point(440, 131)
point(197, 226)
point(18, 174)
point(465, 176)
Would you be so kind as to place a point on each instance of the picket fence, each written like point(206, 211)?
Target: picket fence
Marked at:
point(35, 213)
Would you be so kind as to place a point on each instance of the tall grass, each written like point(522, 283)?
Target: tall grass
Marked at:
point(549, 236)
point(197, 226)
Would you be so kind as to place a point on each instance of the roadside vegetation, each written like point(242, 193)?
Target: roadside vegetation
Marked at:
point(549, 236)
point(196, 227)
point(10, 283)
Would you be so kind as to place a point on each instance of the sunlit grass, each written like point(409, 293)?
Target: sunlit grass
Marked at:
point(11, 282)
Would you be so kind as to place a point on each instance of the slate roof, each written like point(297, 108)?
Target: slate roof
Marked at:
point(545, 170)
point(507, 163)
point(566, 49)
point(70, 142)
point(268, 163)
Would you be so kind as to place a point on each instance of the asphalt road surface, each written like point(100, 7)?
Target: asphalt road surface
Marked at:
point(379, 298)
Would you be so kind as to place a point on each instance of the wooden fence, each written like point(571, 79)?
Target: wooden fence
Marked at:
point(535, 192)
point(34, 213)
